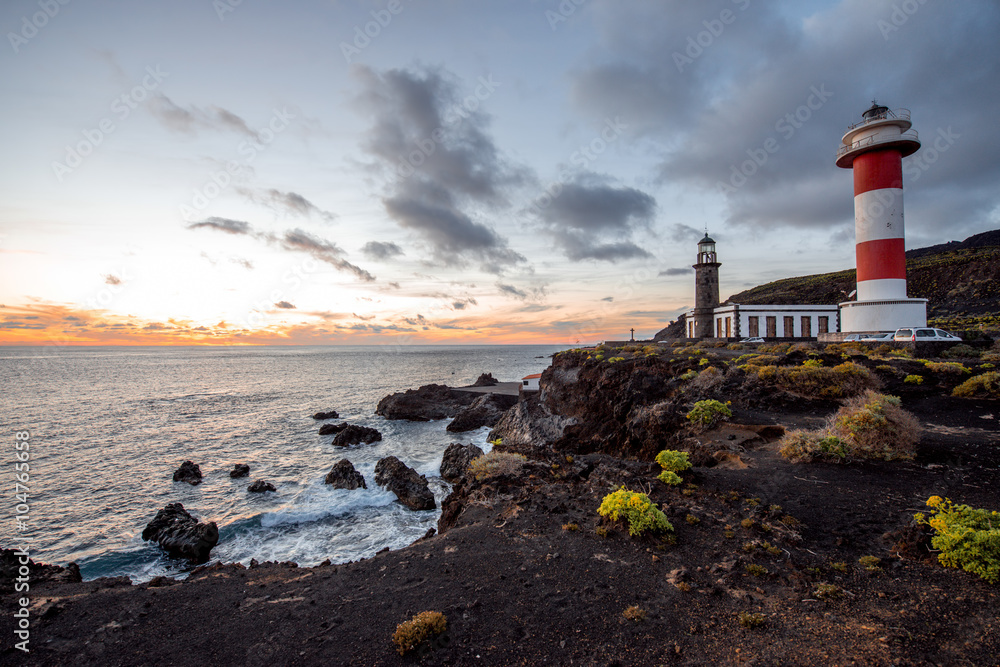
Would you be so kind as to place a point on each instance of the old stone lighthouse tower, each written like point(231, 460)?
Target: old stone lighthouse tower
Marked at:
point(706, 289)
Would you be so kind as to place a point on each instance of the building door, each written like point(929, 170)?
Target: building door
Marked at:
point(729, 327)
point(807, 329)
point(824, 324)
point(789, 327)
point(772, 326)
point(718, 328)
point(753, 324)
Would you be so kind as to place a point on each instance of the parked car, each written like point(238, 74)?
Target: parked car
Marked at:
point(878, 336)
point(925, 334)
point(753, 339)
point(852, 337)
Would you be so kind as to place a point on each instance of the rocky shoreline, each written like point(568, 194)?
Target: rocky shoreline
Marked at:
point(769, 562)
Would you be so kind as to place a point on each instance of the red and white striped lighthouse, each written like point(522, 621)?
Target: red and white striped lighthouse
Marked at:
point(874, 149)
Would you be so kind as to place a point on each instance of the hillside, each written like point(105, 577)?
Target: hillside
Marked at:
point(961, 280)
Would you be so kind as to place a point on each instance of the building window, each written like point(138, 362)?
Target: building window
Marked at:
point(807, 328)
point(772, 326)
point(753, 324)
point(789, 327)
point(824, 324)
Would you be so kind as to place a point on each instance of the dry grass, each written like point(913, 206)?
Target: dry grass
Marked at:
point(496, 464)
point(424, 625)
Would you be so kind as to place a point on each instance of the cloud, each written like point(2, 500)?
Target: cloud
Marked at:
point(110, 279)
point(794, 84)
point(285, 305)
point(462, 304)
point(381, 251)
point(223, 225)
point(679, 271)
point(190, 120)
point(439, 164)
point(294, 240)
point(286, 203)
point(520, 294)
point(591, 219)
point(609, 299)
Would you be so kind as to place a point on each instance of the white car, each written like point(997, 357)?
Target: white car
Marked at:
point(916, 334)
point(878, 336)
point(753, 339)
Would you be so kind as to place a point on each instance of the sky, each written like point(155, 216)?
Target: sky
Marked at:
point(436, 171)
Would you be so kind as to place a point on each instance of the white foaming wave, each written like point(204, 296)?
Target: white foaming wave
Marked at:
point(315, 503)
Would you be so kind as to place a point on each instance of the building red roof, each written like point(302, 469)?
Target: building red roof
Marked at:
point(532, 377)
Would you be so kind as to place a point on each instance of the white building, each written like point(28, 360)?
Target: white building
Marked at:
point(530, 382)
point(770, 321)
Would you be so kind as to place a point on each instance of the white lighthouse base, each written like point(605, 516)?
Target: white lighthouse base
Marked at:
point(882, 315)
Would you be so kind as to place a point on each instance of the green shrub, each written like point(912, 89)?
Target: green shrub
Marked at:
point(967, 538)
point(962, 351)
point(670, 459)
point(798, 445)
point(615, 360)
point(634, 614)
point(913, 379)
point(827, 591)
point(986, 385)
point(871, 563)
point(637, 509)
point(752, 621)
point(755, 570)
point(495, 464)
point(846, 379)
point(424, 625)
point(706, 414)
point(812, 363)
point(690, 375)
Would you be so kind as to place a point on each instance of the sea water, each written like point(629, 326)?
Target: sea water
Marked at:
point(109, 425)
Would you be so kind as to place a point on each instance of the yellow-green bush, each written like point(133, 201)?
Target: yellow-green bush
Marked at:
point(637, 509)
point(986, 385)
point(962, 351)
point(946, 367)
point(672, 463)
point(496, 463)
point(424, 625)
point(870, 426)
point(706, 414)
point(846, 379)
point(967, 538)
point(913, 379)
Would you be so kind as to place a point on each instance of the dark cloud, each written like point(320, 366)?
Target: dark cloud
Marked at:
point(223, 225)
point(245, 263)
point(592, 219)
point(285, 305)
point(794, 86)
point(520, 294)
point(462, 304)
point(381, 251)
point(679, 271)
point(189, 120)
point(294, 240)
point(609, 299)
point(286, 203)
point(441, 164)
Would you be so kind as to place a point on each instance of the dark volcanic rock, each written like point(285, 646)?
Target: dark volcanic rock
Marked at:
point(344, 476)
point(431, 401)
point(486, 410)
point(181, 535)
point(486, 380)
point(11, 561)
point(457, 459)
point(188, 472)
point(354, 434)
point(332, 414)
point(327, 429)
point(239, 470)
point(409, 487)
point(260, 486)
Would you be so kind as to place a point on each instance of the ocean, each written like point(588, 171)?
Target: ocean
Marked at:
point(109, 425)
